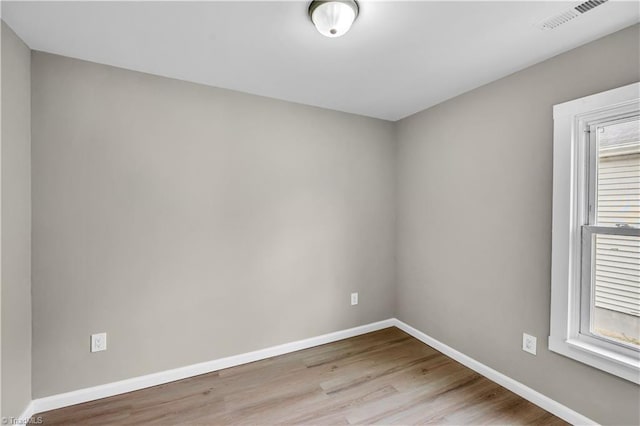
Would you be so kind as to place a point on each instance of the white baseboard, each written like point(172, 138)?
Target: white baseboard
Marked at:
point(110, 389)
point(136, 383)
point(24, 417)
point(514, 386)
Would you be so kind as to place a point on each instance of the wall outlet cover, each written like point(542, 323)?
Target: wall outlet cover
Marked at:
point(98, 342)
point(529, 343)
point(354, 299)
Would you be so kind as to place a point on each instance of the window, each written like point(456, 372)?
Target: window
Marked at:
point(595, 294)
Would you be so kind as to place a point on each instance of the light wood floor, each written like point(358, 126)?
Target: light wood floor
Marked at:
point(384, 377)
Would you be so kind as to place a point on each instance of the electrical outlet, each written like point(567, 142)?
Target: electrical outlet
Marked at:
point(529, 343)
point(354, 299)
point(98, 342)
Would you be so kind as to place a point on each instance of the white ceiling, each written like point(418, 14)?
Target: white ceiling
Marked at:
point(399, 57)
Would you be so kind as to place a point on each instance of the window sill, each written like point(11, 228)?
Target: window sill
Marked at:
point(598, 357)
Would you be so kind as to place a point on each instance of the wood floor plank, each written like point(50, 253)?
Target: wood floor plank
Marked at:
point(383, 377)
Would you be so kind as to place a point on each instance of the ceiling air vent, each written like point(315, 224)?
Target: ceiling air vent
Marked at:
point(566, 16)
point(588, 5)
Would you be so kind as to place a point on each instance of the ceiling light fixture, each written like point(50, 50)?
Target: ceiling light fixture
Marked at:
point(333, 18)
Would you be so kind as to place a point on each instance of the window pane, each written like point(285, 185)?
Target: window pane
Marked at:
point(618, 173)
point(616, 314)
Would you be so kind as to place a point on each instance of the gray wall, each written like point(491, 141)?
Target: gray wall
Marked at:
point(192, 223)
point(16, 224)
point(474, 222)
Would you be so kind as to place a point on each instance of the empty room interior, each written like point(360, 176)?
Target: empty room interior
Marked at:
point(323, 212)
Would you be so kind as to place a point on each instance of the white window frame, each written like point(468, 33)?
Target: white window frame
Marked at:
point(570, 213)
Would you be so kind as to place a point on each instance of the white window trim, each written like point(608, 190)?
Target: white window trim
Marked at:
point(568, 218)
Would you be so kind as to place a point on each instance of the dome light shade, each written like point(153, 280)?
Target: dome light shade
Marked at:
point(333, 18)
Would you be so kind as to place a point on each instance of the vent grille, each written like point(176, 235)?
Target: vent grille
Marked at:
point(566, 16)
point(558, 20)
point(588, 5)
